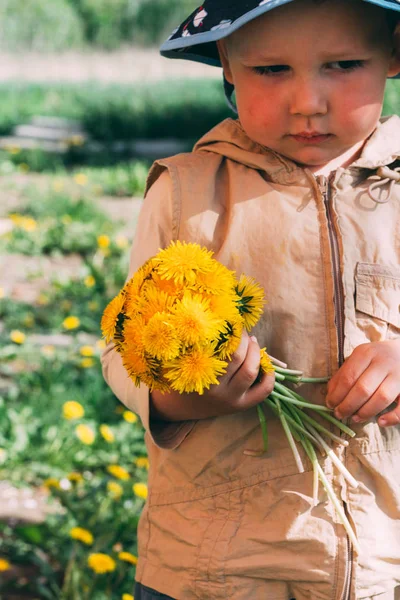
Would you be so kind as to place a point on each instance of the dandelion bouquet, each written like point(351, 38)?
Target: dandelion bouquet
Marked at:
point(177, 322)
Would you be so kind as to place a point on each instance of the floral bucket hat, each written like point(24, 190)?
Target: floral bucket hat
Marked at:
point(195, 38)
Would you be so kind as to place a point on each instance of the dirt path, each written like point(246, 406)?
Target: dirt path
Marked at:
point(123, 66)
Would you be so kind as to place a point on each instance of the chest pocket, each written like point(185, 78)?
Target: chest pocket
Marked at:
point(377, 301)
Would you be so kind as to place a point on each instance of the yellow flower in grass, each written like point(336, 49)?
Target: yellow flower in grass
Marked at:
point(81, 179)
point(115, 489)
point(250, 300)
point(129, 416)
point(89, 281)
point(107, 433)
point(195, 371)
point(103, 241)
point(142, 462)
point(194, 322)
point(17, 336)
point(183, 262)
point(75, 477)
point(85, 434)
point(128, 557)
point(51, 482)
point(43, 299)
point(127, 597)
point(93, 305)
point(140, 490)
point(118, 472)
point(66, 219)
point(101, 563)
point(4, 565)
point(82, 535)
point(160, 337)
point(266, 365)
point(109, 319)
point(87, 351)
point(86, 363)
point(71, 322)
point(28, 224)
point(73, 410)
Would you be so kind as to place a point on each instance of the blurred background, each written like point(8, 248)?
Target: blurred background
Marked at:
point(86, 103)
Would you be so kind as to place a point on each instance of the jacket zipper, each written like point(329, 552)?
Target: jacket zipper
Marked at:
point(324, 185)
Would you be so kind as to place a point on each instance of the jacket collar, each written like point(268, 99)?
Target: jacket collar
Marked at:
point(230, 140)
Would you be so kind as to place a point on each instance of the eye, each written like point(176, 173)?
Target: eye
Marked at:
point(272, 70)
point(346, 65)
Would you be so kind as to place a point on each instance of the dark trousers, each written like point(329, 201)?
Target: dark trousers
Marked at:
point(145, 593)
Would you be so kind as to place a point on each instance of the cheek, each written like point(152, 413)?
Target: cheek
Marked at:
point(259, 109)
point(359, 106)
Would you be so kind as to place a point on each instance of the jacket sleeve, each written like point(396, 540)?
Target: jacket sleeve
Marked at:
point(154, 231)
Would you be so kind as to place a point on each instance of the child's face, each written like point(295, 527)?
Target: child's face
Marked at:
point(310, 77)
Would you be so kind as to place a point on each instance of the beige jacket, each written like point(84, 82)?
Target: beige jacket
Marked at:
point(219, 524)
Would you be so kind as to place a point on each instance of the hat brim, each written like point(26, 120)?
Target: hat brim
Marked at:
point(200, 46)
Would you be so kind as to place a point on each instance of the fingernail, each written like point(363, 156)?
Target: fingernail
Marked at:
point(356, 419)
point(254, 339)
point(382, 422)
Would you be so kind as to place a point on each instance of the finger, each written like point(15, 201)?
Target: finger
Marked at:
point(361, 392)
point(237, 359)
point(384, 396)
point(345, 378)
point(246, 375)
point(392, 417)
point(261, 390)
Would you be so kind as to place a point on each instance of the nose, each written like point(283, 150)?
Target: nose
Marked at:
point(309, 97)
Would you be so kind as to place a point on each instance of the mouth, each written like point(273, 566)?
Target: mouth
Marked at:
point(311, 137)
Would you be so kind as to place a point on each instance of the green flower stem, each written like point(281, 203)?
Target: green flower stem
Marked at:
point(301, 403)
point(279, 376)
point(288, 371)
point(291, 411)
point(308, 447)
point(289, 436)
point(339, 509)
point(282, 389)
point(277, 362)
point(324, 430)
point(339, 424)
point(272, 405)
point(263, 423)
point(337, 462)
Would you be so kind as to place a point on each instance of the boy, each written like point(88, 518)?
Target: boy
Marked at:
point(302, 194)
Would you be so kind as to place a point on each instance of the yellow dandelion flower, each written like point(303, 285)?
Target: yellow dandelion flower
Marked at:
point(17, 336)
point(29, 321)
point(115, 489)
point(66, 219)
point(51, 482)
point(217, 281)
point(224, 306)
point(133, 334)
point(110, 317)
point(127, 597)
point(155, 301)
point(101, 563)
point(250, 300)
point(118, 472)
point(81, 179)
point(128, 557)
point(169, 286)
point(43, 299)
point(129, 416)
point(86, 363)
point(103, 241)
point(230, 339)
point(73, 410)
point(134, 363)
point(160, 337)
point(66, 305)
point(134, 285)
point(28, 224)
point(82, 535)
point(89, 281)
point(86, 351)
point(183, 262)
point(93, 305)
point(140, 490)
point(107, 433)
point(85, 434)
point(266, 365)
point(194, 322)
point(142, 462)
point(121, 241)
point(75, 477)
point(71, 322)
point(195, 370)
point(4, 565)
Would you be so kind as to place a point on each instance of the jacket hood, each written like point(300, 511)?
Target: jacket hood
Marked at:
point(230, 140)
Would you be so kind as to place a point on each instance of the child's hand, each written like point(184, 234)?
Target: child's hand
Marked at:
point(235, 392)
point(367, 383)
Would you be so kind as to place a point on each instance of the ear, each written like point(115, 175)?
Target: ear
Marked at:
point(394, 65)
point(224, 58)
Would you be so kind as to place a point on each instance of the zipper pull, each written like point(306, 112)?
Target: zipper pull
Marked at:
point(323, 186)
